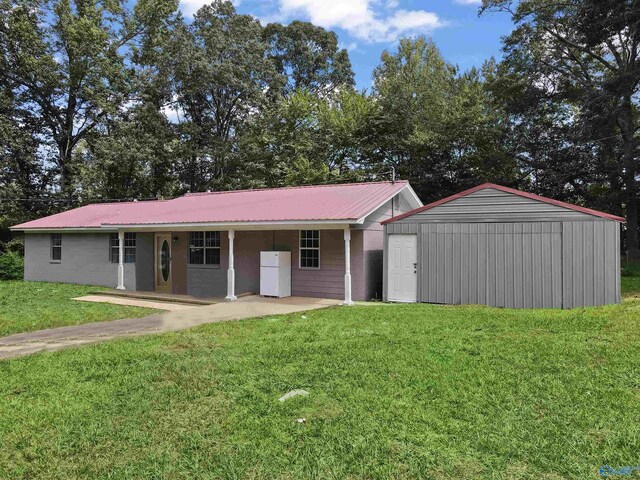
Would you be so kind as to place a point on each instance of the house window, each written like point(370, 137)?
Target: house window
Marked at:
point(204, 248)
point(129, 247)
point(56, 247)
point(309, 248)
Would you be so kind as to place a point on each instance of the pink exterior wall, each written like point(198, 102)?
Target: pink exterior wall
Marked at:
point(373, 244)
point(372, 263)
point(325, 282)
point(212, 281)
point(247, 247)
point(328, 280)
point(358, 279)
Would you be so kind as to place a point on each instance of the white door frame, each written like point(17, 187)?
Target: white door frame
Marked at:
point(410, 267)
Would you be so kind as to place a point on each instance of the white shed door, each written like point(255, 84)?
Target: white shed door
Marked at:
point(402, 262)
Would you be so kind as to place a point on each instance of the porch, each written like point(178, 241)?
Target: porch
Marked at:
point(225, 264)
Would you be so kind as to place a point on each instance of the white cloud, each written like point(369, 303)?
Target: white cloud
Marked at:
point(360, 19)
point(349, 47)
point(468, 2)
point(404, 20)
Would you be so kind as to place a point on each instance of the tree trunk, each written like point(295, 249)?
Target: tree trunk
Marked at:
point(64, 164)
point(627, 128)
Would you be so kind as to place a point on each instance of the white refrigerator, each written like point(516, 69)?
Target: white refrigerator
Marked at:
point(275, 274)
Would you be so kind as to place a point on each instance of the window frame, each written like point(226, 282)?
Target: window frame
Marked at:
point(113, 258)
point(129, 250)
point(301, 248)
point(52, 246)
point(210, 241)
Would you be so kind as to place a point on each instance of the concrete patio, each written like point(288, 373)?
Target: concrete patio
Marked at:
point(245, 307)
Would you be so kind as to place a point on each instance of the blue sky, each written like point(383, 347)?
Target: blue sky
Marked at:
point(367, 27)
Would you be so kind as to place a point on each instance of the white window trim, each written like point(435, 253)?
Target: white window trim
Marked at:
point(51, 247)
point(204, 250)
point(115, 258)
point(300, 248)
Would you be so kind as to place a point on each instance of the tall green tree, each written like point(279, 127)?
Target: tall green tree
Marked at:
point(67, 61)
point(436, 127)
point(133, 157)
point(221, 76)
point(305, 138)
point(586, 52)
point(23, 178)
point(307, 57)
point(552, 147)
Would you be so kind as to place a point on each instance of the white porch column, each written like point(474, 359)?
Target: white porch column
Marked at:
point(231, 274)
point(347, 267)
point(120, 260)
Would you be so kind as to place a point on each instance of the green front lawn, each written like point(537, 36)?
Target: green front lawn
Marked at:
point(28, 306)
point(405, 391)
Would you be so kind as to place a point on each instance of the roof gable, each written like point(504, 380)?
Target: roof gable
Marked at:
point(490, 200)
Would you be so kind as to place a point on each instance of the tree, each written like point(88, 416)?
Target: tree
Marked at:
point(554, 155)
point(307, 57)
point(436, 127)
point(23, 178)
point(587, 53)
point(221, 76)
point(67, 61)
point(133, 158)
point(304, 139)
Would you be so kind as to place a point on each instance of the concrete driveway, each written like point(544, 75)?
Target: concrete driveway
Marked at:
point(245, 307)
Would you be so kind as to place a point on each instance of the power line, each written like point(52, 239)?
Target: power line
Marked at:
point(363, 174)
point(67, 200)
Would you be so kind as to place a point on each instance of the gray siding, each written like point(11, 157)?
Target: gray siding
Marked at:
point(491, 205)
point(591, 263)
point(518, 265)
point(514, 265)
point(208, 281)
point(85, 260)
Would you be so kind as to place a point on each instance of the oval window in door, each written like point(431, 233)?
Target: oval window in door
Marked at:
point(164, 260)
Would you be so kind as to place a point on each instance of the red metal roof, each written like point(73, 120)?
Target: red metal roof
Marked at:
point(533, 196)
point(344, 202)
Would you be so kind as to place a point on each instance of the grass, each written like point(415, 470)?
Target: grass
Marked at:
point(406, 391)
point(29, 306)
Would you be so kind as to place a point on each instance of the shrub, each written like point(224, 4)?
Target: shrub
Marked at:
point(631, 269)
point(11, 266)
point(15, 245)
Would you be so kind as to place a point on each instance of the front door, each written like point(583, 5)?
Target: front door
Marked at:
point(163, 262)
point(403, 271)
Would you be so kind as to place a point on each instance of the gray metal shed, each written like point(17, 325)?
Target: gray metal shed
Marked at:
point(498, 246)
